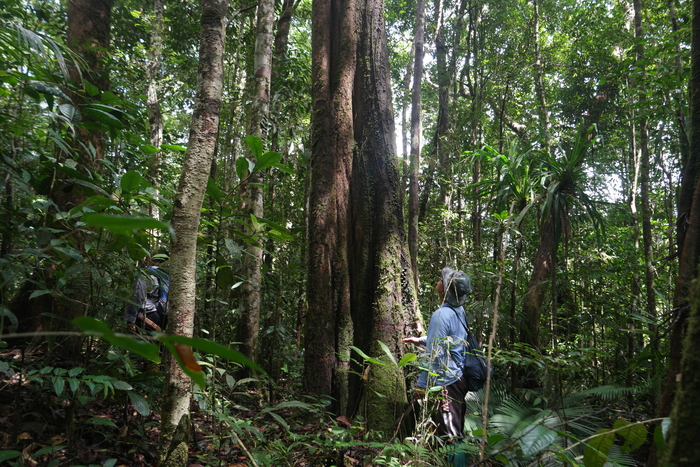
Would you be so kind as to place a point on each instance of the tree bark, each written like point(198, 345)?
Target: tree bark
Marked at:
point(383, 296)
point(187, 208)
point(155, 116)
point(249, 308)
point(416, 142)
point(328, 326)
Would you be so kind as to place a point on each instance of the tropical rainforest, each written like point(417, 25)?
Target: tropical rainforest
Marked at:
point(300, 171)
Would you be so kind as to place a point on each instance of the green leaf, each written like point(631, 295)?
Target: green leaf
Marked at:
point(243, 165)
point(367, 357)
point(7, 455)
point(122, 385)
point(214, 192)
point(91, 89)
point(48, 450)
point(267, 160)
point(536, 438)
point(121, 224)
point(634, 435)
point(597, 449)
point(284, 168)
point(205, 345)
point(149, 149)
point(101, 421)
point(173, 147)
point(98, 328)
point(73, 384)
point(387, 352)
point(132, 181)
point(58, 385)
point(660, 433)
point(406, 359)
point(196, 376)
point(255, 145)
point(102, 115)
point(139, 403)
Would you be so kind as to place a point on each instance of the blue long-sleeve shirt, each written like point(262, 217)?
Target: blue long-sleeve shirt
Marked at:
point(444, 347)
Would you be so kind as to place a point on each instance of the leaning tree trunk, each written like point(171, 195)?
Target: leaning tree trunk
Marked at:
point(187, 208)
point(249, 321)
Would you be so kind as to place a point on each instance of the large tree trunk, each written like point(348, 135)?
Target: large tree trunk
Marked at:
point(187, 208)
point(249, 308)
point(359, 270)
point(383, 295)
point(328, 327)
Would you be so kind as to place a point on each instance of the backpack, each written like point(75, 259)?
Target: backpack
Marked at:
point(475, 368)
point(160, 297)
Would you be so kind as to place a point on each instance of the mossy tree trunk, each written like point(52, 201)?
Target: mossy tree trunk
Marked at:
point(360, 279)
point(328, 327)
point(383, 298)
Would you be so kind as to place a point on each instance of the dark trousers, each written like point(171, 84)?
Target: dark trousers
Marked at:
point(449, 416)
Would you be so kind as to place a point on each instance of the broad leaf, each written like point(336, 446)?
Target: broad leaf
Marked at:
point(536, 438)
point(597, 449)
point(634, 435)
point(139, 403)
point(121, 224)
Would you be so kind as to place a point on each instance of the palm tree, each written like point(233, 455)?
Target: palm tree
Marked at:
point(562, 177)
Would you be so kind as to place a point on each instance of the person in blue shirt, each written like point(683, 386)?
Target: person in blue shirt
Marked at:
point(444, 353)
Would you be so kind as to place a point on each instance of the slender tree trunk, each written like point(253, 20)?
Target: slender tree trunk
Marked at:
point(649, 270)
point(155, 116)
point(251, 290)
point(416, 142)
point(187, 208)
point(539, 80)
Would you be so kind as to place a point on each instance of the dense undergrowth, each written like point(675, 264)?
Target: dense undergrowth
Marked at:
point(105, 412)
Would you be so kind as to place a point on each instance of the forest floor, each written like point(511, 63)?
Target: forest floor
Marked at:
point(56, 415)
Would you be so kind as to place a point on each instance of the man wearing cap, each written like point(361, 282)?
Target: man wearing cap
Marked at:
point(444, 350)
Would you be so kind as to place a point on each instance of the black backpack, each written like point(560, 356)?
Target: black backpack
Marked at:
point(475, 368)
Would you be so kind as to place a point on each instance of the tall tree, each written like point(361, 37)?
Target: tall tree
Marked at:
point(683, 449)
point(187, 209)
point(153, 74)
point(249, 309)
point(416, 140)
point(328, 329)
point(360, 279)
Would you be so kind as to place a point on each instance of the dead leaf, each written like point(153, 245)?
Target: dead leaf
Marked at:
point(187, 357)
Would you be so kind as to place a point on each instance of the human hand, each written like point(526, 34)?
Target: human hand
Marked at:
point(418, 394)
point(411, 340)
